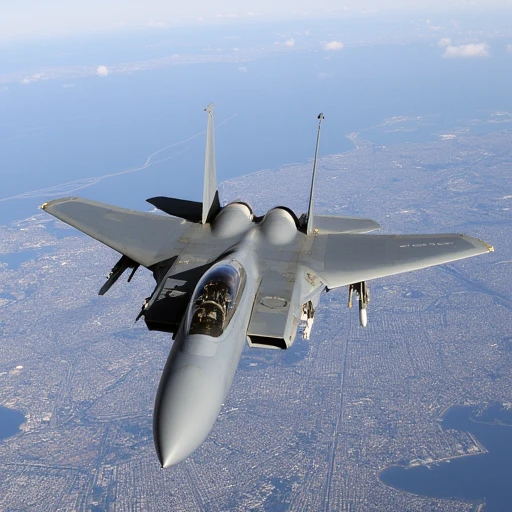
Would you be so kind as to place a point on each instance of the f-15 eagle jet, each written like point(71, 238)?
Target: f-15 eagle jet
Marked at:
point(225, 276)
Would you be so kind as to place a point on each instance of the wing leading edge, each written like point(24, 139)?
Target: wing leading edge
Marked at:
point(345, 259)
point(146, 238)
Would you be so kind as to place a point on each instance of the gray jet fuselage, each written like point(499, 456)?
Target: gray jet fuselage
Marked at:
point(200, 367)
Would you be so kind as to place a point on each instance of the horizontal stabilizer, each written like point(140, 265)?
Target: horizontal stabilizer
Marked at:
point(331, 224)
point(181, 208)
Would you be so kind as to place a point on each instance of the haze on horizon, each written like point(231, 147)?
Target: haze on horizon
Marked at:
point(32, 20)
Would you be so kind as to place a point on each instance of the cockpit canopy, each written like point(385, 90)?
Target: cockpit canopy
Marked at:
point(215, 299)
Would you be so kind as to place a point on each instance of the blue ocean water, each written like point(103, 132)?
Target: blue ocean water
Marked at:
point(480, 478)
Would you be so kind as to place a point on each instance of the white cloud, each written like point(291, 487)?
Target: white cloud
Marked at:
point(35, 78)
point(509, 48)
point(155, 24)
point(102, 71)
point(242, 69)
point(290, 43)
point(467, 50)
point(435, 28)
point(332, 46)
point(230, 16)
point(445, 41)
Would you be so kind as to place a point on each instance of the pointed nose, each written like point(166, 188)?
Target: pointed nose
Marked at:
point(187, 405)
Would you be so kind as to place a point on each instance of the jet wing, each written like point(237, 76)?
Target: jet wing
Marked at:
point(345, 259)
point(144, 237)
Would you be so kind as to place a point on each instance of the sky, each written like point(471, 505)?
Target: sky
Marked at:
point(33, 19)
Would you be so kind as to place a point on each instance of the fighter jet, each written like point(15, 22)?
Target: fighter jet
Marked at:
point(225, 277)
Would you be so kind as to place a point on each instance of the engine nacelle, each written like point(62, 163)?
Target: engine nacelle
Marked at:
point(234, 219)
point(278, 227)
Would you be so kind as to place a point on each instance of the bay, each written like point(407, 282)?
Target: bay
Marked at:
point(483, 478)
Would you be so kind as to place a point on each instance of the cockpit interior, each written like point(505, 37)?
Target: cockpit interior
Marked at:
point(215, 299)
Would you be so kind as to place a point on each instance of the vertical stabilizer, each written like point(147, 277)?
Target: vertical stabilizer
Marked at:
point(309, 229)
point(211, 203)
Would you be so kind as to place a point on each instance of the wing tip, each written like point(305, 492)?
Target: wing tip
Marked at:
point(489, 247)
point(479, 241)
point(45, 205)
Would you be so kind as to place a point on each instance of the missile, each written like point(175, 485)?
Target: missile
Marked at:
point(363, 316)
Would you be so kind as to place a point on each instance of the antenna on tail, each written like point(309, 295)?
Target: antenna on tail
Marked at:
point(309, 229)
point(211, 204)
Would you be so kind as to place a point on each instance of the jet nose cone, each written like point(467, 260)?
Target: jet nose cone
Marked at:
point(174, 453)
point(186, 408)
